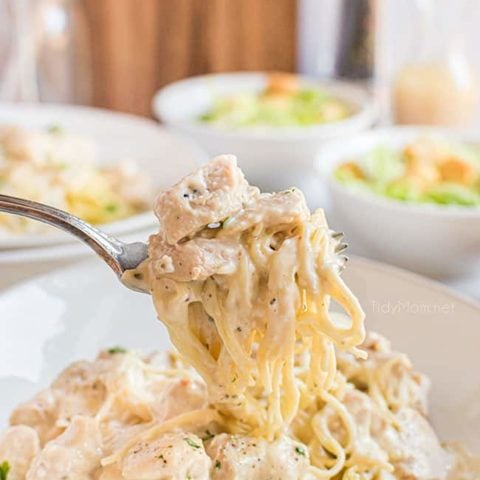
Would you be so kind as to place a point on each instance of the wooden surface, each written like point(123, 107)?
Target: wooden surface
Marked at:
point(140, 45)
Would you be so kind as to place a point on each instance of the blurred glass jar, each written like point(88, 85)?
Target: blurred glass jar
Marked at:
point(425, 75)
point(46, 55)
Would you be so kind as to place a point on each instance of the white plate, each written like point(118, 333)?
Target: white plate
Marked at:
point(47, 322)
point(164, 157)
point(22, 263)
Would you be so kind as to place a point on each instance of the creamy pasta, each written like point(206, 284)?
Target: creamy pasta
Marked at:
point(268, 383)
point(62, 170)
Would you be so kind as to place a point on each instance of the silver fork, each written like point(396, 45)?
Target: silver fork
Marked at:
point(118, 255)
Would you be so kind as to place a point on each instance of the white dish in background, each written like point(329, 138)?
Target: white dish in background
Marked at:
point(442, 241)
point(117, 136)
point(271, 157)
point(46, 323)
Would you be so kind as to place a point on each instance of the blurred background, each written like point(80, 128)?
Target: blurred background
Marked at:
point(117, 53)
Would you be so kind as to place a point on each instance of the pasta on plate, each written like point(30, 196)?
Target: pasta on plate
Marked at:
point(268, 382)
point(62, 170)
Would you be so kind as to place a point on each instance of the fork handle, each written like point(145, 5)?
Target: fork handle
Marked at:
point(108, 248)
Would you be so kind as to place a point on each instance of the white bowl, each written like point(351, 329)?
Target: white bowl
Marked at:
point(438, 240)
point(46, 323)
point(272, 157)
point(117, 136)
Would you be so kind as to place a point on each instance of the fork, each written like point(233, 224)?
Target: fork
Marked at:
point(118, 255)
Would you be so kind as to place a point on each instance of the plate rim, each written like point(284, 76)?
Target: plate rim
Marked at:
point(419, 279)
point(356, 260)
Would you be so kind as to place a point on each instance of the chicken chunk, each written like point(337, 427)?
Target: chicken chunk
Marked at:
point(179, 396)
point(39, 413)
point(209, 195)
point(244, 458)
point(110, 472)
point(173, 456)
point(395, 377)
point(82, 383)
point(413, 448)
point(40, 149)
point(78, 390)
point(196, 259)
point(366, 415)
point(73, 455)
point(200, 258)
point(18, 446)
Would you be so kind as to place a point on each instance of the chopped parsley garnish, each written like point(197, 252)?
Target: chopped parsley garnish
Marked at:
point(227, 222)
point(4, 469)
point(111, 207)
point(208, 435)
point(114, 350)
point(218, 465)
point(191, 443)
point(300, 451)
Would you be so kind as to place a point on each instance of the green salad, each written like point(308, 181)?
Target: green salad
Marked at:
point(282, 103)
point(425, 171)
